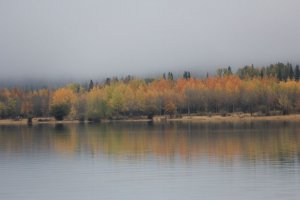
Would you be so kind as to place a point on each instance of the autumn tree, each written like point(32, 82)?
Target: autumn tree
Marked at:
point(64, 102)
point(2, 110)
point(40, 101)
point(117, 98)
point(96, 105)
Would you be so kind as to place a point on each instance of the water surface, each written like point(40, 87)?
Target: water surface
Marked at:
point(257, 160)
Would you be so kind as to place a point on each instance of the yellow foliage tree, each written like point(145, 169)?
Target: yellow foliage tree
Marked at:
point(67, 97)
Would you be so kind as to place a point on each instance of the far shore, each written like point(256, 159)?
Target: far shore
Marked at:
point(185, 118)
point(241, 117)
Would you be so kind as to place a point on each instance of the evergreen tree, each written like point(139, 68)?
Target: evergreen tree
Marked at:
point(279, 75)
point(291, 72)
point(59, 111)
point(229, 72)
point(107, 81)
point(285, 75)
point(170, 76)
point(262, 72)
point(280, 71)
point(297, 73)
point(91, 85)
point(186, 75)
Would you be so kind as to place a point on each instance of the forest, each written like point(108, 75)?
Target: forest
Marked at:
point(270, 90)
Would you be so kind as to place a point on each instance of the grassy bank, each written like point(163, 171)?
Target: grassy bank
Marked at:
point(194, 118)
point(239, 117)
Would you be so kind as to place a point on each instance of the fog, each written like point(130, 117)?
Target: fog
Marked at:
point(95, 39)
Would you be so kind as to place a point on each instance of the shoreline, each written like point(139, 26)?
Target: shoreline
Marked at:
point(185, 118)
point(240, 118)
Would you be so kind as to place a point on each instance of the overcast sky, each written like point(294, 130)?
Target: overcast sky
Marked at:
point(96, 38)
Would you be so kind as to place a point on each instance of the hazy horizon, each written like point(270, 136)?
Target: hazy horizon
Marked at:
point(96, 39)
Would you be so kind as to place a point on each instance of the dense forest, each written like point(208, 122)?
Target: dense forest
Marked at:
point(265, 90)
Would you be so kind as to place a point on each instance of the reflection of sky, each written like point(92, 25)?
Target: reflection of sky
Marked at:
point(108, 177)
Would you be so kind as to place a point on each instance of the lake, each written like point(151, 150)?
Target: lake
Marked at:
point(140, 160)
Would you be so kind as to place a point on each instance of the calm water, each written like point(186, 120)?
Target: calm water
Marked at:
point(144, 161)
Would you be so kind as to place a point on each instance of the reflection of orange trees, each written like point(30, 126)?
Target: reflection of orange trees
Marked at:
point(166, 141)
point(170, 142)
point(65, 140)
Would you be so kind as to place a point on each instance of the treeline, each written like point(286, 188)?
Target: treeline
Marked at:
point(281, 71)
point(269, 90)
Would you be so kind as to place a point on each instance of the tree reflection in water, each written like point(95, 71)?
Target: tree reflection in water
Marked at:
point(248, 141)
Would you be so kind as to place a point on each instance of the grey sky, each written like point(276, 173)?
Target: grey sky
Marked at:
point(94, 38)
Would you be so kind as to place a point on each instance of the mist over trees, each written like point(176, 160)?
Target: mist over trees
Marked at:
point(264, 90)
